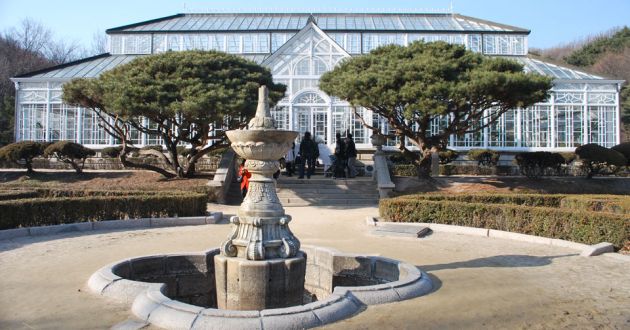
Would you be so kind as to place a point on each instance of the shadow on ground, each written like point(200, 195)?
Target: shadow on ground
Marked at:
point(500, 261)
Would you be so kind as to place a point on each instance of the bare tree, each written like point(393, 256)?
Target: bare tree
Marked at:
point(99, 43)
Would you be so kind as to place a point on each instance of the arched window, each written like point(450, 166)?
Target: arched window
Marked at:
point(310, 98)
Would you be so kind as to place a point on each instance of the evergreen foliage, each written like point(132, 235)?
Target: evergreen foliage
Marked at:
point(599, 160)
point(591, 52)
point(22, 153)
point(187, 97)
point(70, 153)
point(624, 149)
point(412, 85)
point(484, 157)
point(538, 163)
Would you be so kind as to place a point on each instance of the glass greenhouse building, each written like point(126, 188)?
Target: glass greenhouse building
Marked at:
point(299, 48)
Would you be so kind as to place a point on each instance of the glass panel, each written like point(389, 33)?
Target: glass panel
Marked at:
point(31, 122)
point(502, 133)
point(497, 44)
point(535, 126)
point(602, 125)
point(568, 125)
point(233, 43)
point(217, 42)
point(92, 133)
point(281, 115)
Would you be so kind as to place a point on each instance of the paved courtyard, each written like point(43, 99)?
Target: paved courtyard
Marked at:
point(479, 282)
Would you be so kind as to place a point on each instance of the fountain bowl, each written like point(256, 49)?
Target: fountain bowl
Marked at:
point(261, 144)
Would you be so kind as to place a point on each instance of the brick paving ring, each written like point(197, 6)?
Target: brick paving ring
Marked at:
point(178, 290)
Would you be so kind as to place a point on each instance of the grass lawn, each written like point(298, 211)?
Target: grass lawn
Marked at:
point(99, 180)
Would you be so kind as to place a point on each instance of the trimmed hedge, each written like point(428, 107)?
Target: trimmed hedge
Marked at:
point(484, 157)
point(595, 203)
point(586, 219)
point(52, 211)
point(17, 194)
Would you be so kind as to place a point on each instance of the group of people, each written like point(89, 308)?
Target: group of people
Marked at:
point(343, 161)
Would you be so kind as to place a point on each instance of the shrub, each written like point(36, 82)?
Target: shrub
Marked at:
point(22, 153)
point(111, 152)
point(17, 194)
point(569, 157)
point(53, 211)
point(405, 170)
point(599, 160)
point(624, 149)
point(137, 152)
point(575, 225)
point(536, 164)
point(447, 156)
point(399, 158)
point(70, 153)
point(484, 157)
point(183, 151)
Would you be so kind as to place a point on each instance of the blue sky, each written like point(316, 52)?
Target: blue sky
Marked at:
point(552, 22)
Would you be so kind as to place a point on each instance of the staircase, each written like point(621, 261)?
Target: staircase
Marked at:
point(322, 191)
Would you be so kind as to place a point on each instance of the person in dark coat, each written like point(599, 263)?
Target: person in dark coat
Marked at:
point(351, 154)
point(340, 157)
point(308, 153)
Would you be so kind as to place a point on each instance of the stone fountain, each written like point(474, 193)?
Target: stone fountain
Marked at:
point(260, 277)
point(260, 265)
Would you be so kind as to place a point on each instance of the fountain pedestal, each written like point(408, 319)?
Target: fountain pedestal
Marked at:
point(260, 265)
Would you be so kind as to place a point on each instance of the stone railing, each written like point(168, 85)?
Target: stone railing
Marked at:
point(381, 171)
point(224, 175)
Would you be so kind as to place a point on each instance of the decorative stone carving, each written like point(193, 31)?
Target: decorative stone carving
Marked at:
point(261, 231)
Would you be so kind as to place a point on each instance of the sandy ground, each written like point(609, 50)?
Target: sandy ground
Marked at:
point(480, 282)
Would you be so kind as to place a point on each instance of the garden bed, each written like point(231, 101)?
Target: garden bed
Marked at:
point(583, 219)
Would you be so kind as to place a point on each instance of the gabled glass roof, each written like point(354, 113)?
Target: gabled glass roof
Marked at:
point(553, 70)
point(90, 67)
point(325, 21)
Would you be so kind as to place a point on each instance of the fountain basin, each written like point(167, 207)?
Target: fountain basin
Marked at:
point(178, 290)
point(261, 144)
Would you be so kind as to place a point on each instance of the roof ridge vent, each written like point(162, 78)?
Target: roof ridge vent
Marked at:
point(311, 19)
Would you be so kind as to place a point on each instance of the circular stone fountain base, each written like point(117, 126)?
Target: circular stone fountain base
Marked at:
point(178, 291)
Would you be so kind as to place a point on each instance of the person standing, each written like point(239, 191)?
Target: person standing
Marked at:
point(309, 153)
point(340, 157)
point(243, 178)
point(289, 160)
point(351, 154)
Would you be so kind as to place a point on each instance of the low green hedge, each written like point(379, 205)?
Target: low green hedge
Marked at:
point(569, 224)
point(596, 203)
point(17, 194)
point(52, 211)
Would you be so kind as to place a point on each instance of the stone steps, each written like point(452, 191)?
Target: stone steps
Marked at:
point(323, 191)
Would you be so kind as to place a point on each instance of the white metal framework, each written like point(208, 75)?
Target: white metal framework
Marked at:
point(299, 48)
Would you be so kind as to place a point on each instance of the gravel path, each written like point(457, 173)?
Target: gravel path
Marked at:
point(480, 282)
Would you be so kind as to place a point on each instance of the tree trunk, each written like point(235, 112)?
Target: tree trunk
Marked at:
point(424, 165)
point(126, 163)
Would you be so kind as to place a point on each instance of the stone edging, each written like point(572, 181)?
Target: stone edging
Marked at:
point(149, 303)
point(214, 217)
point(585, 249)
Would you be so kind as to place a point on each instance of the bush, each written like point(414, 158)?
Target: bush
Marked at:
point(70, 153)
point(17, 194)
point(597, 203)
point(22, 153)
point(447, 156)
point(135, 152)
point(484, 157)
point(183, 151)
point(599, 160)
point(399, 159)
point(404, 170)
point(111, 152)
point(53, 211)
point(574, 225)
point(569, 157)
point(624, 149)
point(539, 163)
